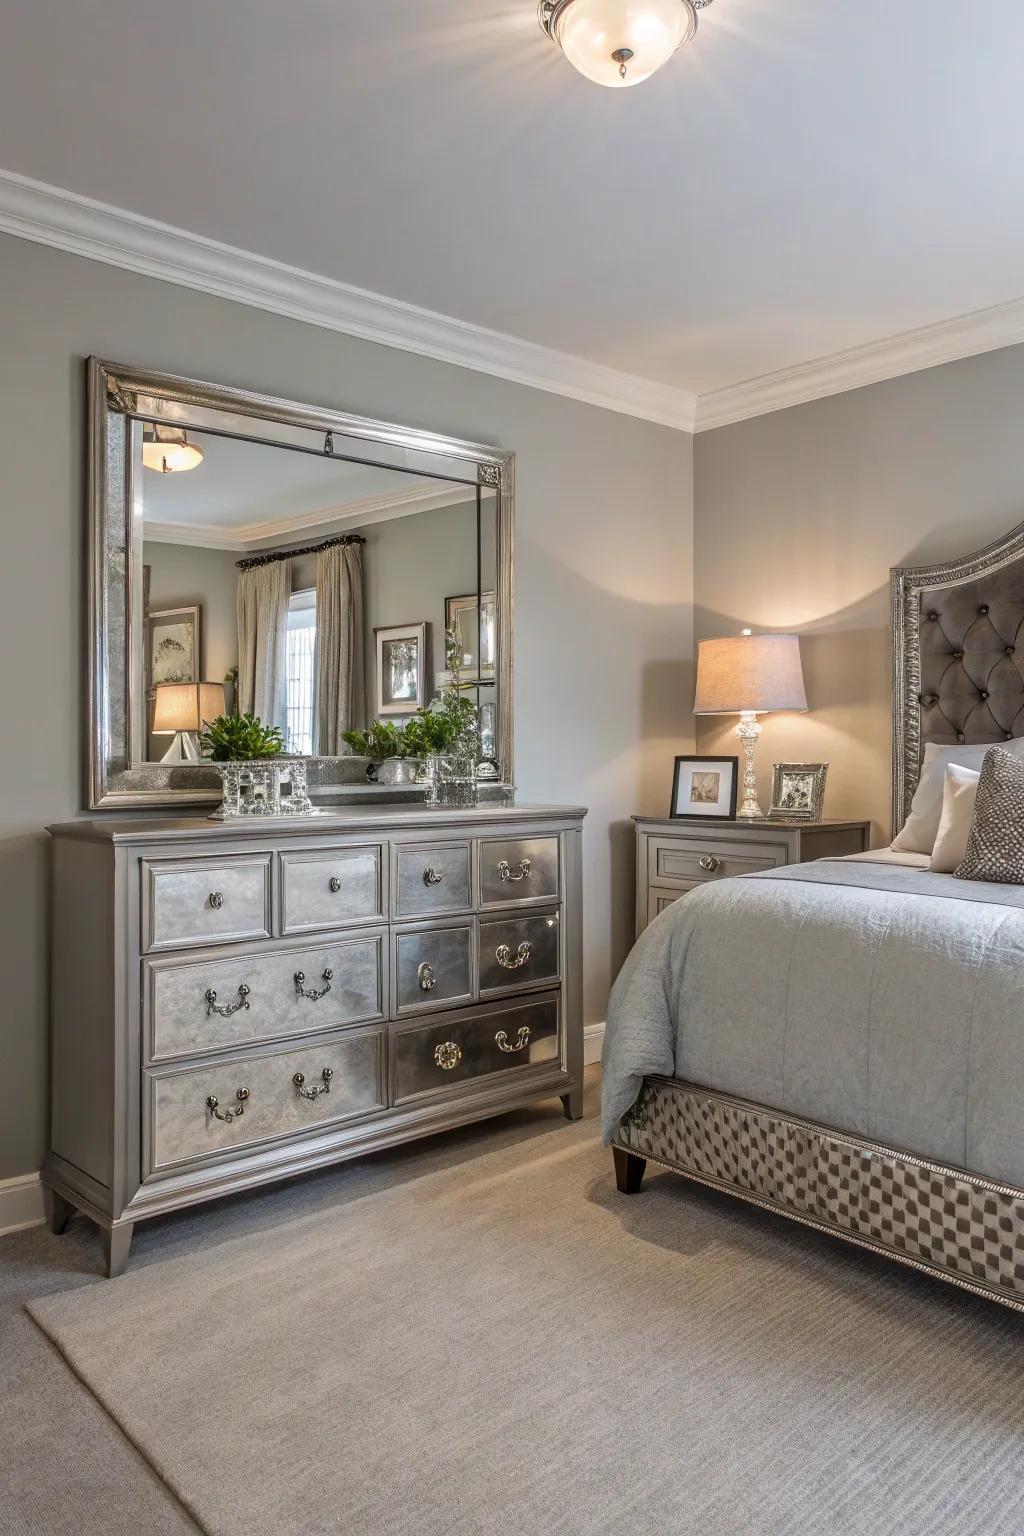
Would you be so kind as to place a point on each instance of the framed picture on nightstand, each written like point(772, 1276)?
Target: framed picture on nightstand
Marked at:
point(705, 786)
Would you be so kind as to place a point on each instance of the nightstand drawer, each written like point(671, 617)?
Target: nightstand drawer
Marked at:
point(691, 860)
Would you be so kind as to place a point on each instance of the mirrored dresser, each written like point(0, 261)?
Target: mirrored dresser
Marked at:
point(233, 1003)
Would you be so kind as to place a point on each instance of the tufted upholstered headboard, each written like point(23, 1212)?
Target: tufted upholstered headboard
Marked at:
point(957, 656)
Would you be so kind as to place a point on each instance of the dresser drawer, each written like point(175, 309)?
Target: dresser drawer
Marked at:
point(692, 860)
point(451, 1053)
point(261, 1098)
point(431, 879)
point(205, 901)
point(433, 967)
point(518, 870)
point(517, 951)
point(216, 1001)
point(331, 888)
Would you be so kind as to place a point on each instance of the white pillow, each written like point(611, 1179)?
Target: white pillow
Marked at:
point(959, 792)
point(919, 831)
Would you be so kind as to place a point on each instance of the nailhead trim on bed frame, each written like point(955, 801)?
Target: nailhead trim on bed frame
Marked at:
point(959, 1227)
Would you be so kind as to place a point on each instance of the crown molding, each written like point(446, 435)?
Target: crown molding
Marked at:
point(52, 216)
point(929, 346)
point(365, 511)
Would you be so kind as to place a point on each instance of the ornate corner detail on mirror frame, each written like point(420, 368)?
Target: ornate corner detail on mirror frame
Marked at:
point(907, 585)
point(120, 394)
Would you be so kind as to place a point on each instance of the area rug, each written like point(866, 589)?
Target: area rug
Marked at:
point(508, 1346)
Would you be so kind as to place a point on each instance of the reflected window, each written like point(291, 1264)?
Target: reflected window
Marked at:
point(301, 656)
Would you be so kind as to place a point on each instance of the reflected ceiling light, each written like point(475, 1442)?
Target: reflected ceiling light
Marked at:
point(167, 449)
point(619, 42)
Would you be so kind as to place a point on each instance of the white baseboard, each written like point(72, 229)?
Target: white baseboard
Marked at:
point(593, 1039)
point(21, 1203)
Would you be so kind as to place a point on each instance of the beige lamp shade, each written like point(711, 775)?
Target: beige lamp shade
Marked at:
point(758, 673)
point(185, 706)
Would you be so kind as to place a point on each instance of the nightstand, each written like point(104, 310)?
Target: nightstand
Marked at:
point(673, 855)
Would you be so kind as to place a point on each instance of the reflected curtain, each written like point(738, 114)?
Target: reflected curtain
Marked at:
point(263, 596)
point(340, 662)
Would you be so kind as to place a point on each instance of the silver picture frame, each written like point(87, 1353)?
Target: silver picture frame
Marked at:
point(401, 666)
point(798, 791)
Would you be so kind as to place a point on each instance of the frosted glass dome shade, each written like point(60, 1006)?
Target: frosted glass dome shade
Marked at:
point(621, 42)
point(167, 449)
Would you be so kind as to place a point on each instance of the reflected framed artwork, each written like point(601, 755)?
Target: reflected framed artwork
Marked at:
point(401, 668)
point(476, 637)
point(705, 787)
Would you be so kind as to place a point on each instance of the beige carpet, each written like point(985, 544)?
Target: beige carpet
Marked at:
point(507, 1346)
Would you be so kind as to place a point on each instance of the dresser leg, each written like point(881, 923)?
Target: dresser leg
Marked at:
point(572, 1103)
point(629, 1171)
point(116, 1243)
point(58, 1210)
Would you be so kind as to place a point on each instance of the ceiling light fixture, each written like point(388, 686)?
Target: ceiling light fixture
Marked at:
point(167, 449)
point(619, 42)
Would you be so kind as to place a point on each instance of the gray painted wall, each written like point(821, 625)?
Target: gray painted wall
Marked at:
point(183, 574)
point(603, 587)
point(799, 516)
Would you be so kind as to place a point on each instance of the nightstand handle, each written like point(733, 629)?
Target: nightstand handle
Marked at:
point(708, 863)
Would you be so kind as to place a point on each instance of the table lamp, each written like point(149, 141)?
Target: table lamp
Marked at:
point(749, 675)
point(183, 708)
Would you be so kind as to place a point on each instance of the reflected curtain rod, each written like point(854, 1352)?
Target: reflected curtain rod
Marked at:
point(253, 561)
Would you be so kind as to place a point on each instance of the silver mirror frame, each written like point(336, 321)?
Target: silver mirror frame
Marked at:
point(117, 392)
point(907, 584)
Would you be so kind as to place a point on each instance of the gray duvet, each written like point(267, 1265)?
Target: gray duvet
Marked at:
point(878, 999)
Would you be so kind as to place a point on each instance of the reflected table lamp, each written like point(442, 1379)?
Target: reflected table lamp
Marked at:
point(749, 675)
point(183, 708)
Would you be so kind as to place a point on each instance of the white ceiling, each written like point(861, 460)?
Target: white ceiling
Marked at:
point(247, 494)
point(805, 177)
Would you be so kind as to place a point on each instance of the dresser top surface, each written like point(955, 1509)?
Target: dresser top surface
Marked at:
point(356, 818)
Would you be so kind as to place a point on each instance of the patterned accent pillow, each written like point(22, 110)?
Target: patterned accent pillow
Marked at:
point(995, 848)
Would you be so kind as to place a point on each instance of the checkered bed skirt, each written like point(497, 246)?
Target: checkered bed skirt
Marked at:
point(960, 1227)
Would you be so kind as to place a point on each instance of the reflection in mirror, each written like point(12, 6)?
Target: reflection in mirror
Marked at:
point(311, 591)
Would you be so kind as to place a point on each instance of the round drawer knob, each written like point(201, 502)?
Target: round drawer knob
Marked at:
point(216, 900)
point(335, 884)
point(425, 976)
point(447, 1055)
point(708, 863)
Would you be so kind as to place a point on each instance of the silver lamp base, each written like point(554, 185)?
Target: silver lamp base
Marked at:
point(748, 731)
point(183, 749)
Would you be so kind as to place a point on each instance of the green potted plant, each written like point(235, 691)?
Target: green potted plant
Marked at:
point(258, 778)
point(240, 738)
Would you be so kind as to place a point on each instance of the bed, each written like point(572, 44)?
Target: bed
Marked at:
point(842, 1042)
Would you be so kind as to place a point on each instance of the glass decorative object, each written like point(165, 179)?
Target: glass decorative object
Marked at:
point(272, 786)
point(451, 780)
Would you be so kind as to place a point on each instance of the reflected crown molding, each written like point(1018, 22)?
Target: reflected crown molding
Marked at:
point(50, 215)
point(254, 536)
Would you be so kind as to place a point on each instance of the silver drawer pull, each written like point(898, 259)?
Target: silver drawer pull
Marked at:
point(431, 876)
point(324, 1086)
point(520, 872)
point(503, 955)
point(425, 976)
point(216, 900)
point(313, 993)
point(447, 1055)
point(522, 1039)
point(335, 884)
point(708, 863)
point(212, 1006)
point(236, 1110)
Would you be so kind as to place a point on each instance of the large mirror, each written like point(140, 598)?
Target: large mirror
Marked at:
point(263, 557)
